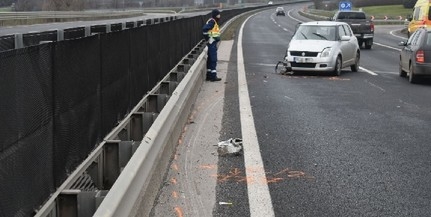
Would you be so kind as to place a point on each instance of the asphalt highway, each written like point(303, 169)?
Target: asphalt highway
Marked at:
point(353, 145)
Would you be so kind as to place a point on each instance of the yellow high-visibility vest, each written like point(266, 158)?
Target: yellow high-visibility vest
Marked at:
point(215, 31)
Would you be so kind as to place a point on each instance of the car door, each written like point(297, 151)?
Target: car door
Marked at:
point(346, 47)
point(407, 51)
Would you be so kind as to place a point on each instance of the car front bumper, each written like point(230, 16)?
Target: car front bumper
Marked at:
point(312, 64)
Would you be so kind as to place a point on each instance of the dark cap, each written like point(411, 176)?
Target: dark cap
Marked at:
point(214, 13)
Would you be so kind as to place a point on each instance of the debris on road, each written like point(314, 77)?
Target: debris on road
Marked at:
point(230, 146)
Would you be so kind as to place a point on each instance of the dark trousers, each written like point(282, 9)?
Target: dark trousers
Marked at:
point(212, 61)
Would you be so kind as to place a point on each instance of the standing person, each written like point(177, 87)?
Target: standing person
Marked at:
point(211, 32)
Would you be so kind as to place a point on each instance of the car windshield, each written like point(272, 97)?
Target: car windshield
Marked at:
point(279, 9)
point(318, 32)
point(351, 15)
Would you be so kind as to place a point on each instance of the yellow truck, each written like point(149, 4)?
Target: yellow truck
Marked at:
point(421, 16)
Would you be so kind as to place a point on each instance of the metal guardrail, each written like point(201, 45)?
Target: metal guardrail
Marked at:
point(377, 22)
point(27, 18)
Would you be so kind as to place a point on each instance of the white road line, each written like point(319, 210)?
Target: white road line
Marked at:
point(387, 46)
point(367, 71)
point(293, 18)
point(393, 34)
point(259, 197)
point(376, 86)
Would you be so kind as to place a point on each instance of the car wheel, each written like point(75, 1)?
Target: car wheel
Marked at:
point(401, 72)
point(360, 42)
point(337, 68)
point(368, 44)
point(355, 67)
point(412, 77)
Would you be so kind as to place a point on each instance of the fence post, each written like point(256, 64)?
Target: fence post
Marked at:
point(60, 34)
point(18, 41)
point(87, 31)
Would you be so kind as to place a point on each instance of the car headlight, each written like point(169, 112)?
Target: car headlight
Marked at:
point(326, 52)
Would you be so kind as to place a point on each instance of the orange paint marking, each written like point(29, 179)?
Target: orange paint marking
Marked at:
point(236, 175)
point(179, 211)
point(175, 194)
point(273, 180)
point(295, 174)
point(282, 171)
point(175, 166)
point(208, 166)
point(174, 181)
point(339, 79)
point(235, 172)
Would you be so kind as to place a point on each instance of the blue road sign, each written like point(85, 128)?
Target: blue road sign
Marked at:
point(345, 6)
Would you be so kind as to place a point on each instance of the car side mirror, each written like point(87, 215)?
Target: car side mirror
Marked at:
point(296, 27)
point(409, 17)
point(345, 38)
point(402, 43)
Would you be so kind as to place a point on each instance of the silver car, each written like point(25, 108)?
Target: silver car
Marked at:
point(323, 46)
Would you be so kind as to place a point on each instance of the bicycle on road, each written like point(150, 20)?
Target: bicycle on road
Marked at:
point(283, 67)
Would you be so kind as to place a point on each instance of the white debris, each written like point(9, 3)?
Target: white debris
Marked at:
point(230, 146)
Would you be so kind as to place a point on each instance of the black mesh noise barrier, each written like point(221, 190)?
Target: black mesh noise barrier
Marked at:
point(26, 114)
point(30, 39)
point(7, 42)
point(98, 29)
point(77, 106)
point(74, 33)
point(115, 78)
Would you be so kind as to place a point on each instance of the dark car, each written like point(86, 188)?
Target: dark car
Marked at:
point(415, 56)
point(362, 27)
point(280, 11)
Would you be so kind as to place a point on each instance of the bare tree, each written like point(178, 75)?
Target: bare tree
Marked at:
point(318, 4)
point(63, 5)
point(28, 5)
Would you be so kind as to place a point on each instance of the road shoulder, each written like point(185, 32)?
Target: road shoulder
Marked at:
point(190, 185)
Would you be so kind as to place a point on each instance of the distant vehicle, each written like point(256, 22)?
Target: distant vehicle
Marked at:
point(362, 27)
point(323, 46)
point(421, 16)
point(270, 3)
point(279, 11)
point(415, 56)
